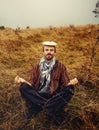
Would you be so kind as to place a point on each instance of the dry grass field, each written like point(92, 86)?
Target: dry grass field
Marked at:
point(78, 49)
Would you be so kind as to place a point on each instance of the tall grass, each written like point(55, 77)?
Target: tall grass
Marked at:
point(78, 49)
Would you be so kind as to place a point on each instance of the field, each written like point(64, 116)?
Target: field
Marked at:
point(78, 49)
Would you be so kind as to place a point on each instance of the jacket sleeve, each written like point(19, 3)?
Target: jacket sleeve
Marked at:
point(64, 79)
point(33, 75)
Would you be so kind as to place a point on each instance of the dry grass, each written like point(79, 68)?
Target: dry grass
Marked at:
point(78, 49)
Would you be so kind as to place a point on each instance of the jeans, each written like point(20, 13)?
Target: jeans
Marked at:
point(43, 101)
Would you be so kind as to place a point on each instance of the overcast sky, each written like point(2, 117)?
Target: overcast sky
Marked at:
point(44, 13)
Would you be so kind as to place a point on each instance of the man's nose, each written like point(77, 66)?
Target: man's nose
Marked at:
point(49, 51)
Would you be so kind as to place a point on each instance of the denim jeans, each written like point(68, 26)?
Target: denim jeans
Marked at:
point(43, 101)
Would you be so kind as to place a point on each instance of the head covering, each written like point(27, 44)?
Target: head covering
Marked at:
point(49, 43)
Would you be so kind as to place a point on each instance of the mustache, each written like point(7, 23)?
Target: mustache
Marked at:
point(49, 54)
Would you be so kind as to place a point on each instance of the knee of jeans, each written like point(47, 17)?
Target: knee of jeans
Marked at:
point(69, 89)
point(23, 87)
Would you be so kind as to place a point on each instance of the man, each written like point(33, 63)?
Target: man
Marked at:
point(49, 88)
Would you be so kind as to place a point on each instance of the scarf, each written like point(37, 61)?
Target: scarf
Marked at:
point(46, 69)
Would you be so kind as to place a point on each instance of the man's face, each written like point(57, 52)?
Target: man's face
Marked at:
point(49, 52)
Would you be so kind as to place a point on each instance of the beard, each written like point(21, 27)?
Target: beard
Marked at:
point(49, 57)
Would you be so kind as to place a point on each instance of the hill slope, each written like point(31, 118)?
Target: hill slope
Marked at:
point(78, 49)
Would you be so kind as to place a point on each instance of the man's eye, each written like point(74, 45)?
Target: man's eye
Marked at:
point(46, 50)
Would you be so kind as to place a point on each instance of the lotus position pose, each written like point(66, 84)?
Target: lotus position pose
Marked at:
point(49, 88)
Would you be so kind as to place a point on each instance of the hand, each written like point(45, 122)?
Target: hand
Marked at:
point(19, 80)
point(73, 81)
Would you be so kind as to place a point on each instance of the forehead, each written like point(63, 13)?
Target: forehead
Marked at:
point(49, 47)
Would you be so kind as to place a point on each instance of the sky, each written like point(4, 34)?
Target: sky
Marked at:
point(45, 13)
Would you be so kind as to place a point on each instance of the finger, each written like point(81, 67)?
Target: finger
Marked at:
point(16, 79)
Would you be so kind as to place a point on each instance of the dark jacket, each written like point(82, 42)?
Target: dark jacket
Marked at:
point(59, 77)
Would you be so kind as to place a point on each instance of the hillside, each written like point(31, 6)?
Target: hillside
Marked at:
point(78, 49)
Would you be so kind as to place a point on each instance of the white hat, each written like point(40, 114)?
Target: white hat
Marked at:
point(49, 43)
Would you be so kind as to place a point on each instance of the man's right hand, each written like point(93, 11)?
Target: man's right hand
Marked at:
point(19, 80)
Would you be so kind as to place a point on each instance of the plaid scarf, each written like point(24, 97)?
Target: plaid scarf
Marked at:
point(46, 69)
